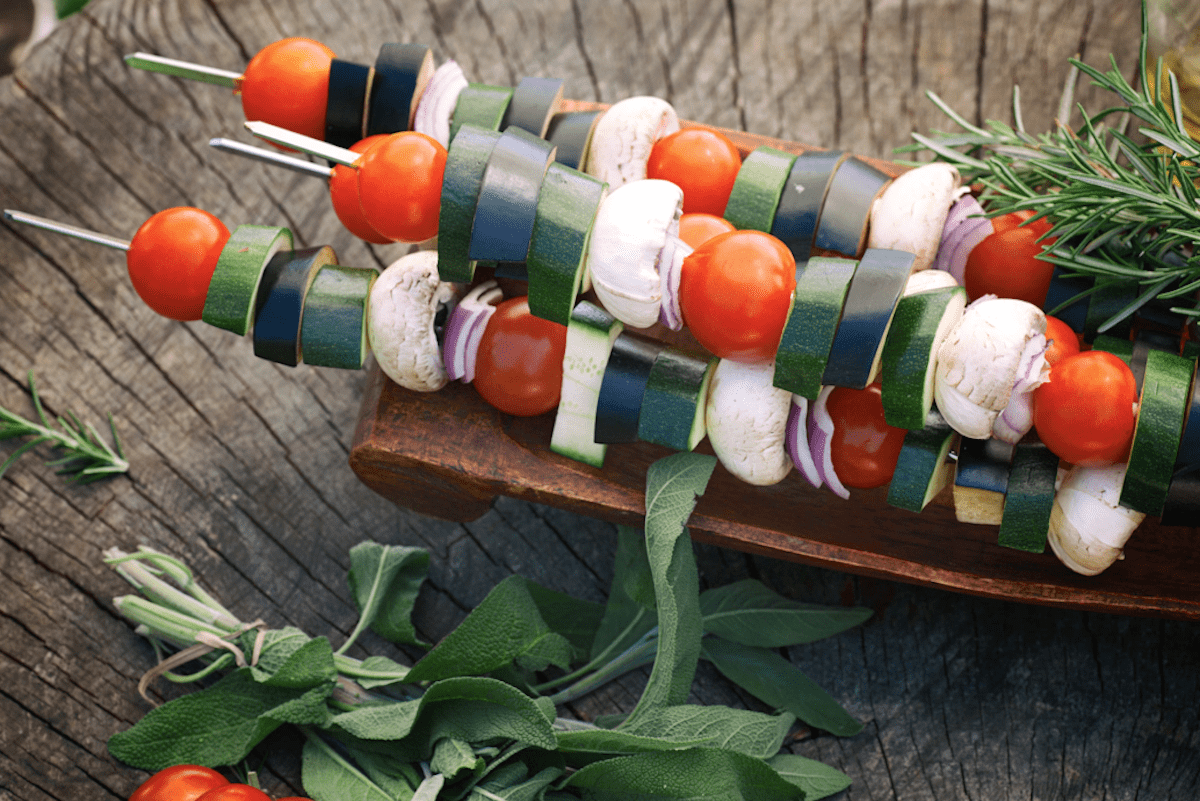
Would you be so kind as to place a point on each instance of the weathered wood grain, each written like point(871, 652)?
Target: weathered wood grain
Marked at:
point(240, 466)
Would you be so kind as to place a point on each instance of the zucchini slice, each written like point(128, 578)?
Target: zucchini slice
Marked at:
point(234, 289)
point(623, 387)
point(333, 329)
point(919, 326)
point(562, 229)
point(534, 102)
point(799, 209)
point(847, 207)
point(1182, 507)
point(280, 312)
point(402, 71)
point(346, 102)
point(923, 471)
point(757, 188)
point(875, 290)
point(571, 132)
point(980, 481)
point(508, 197)
point(591, 333)
point(675, 399)
point(821, 286)
point(1109, 299)
point(1063, 289)
point(466, 161)
point(1029, 498)
point(1189, 445)
point(1164, 400)
point(481, 105)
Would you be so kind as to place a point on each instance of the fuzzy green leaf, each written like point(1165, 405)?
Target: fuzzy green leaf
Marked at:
point(626, 618)
point(452, 757)
point(816, 779)
point(750, 733)
point(530, 789)
point(292, 659)
point(379, 671)
point(385, 580)
point(576, 620)
point(327, 776)
point(699, 774)
point(751, 613)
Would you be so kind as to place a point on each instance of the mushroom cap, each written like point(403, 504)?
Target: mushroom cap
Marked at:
point(628, 237)
point(911, 212)
point(1088, 526)
point(624, 137)
point(402, 308)
point(747, 420)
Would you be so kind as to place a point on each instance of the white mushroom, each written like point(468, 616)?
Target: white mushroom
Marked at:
point(747, 419)
point(402, 307)
point(978, 363)
point(624, 137)
point(632, 227)
point(1088, 528)
point(911, 212)
point(927, 281)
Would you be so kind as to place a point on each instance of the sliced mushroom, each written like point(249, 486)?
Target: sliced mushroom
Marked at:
point(403, 308)
point(911, 212)
point(927, 281)
point(978, 363)
point(1088, 527)
point(747, 421)
point(624, 137)
point(632, 227)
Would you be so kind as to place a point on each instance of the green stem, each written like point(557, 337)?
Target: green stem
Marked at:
point(598, 660)
point(155, 589)
point(162, 621)
point(351, 667)
point(640, 653)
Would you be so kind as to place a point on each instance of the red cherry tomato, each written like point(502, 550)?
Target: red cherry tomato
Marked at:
point(235, 792)
point(343, 193)
point(1007, 222)
point(735, 291)
point(698, 227)
point(864, 448)
point(519, 366)
point(1084, 413)
point(171, 259)
point(1005, 263)
point(179, 783)
point(287, 84)
point(703, 163)
point(400, 185)
point(1063, 340)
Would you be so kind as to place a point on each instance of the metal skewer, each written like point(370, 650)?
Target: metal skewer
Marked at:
point(270, 157)
point(69, 230)
point(305, 144)
point(184, 69)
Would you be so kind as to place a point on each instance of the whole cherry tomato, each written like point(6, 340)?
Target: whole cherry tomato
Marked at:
point(735, 291)
point(1005, 263)
point(1014, 219)
point(698, 227)
point(234, 792)
point(1084, 413)
point(400, 185)
point(287, 84)
point(864, 448)
point(701, 162)
point(1063, 341)
point(519, 366)
point(179, 783)
point(171, 259)
point(343, 194)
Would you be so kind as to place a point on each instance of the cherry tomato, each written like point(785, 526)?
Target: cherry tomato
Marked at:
point(519, 366)
point(234, 792)
point(400, 185)
point(343, 193)
point(698, 227)
point(1084, 413)
point(1063, 341)
point(735, 291)
point(1005, 263)
point(703, 163)
point(864, 448)
point(287, 84)
point(179, 783)
point(171, 259)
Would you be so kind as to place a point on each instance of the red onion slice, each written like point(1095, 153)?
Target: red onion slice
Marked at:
point(465, 328)
point(1016, 419)
point(796, 441)
point(962, 232)
point(437, 102)
point(820, 442)
point(670, 267)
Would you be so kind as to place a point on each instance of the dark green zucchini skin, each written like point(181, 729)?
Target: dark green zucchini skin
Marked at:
point(508, 196)
point(875, 290)
point(799, 209)
point(1029, 498)
point(623, 388)
point(346, 105)
point(285, 284)
point(397, 73)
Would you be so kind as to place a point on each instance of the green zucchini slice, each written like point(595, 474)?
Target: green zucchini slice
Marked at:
point(923, 471)
point(571, 132)
point(623, 387)
point(534, 102)
point(402, 71)
point(675, 398)
point(875, 291)
point(234, 289)
point(1061, 302)
point(333, 329)
point(466, 161)
point(799, 209)
point(918, 329)
point(1164, 400)
point(346, 103)
point(847, 208)
point(280, 312)
point(980, 481)
point(821, 286)
point(590, 336)
point(1029, 499)
point(481, 105)
point(508, 197)
point(1182, 507)
point(756, 190)
point(1189, 445)
point(562, 229)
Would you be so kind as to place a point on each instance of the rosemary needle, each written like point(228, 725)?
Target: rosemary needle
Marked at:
point(85, 456)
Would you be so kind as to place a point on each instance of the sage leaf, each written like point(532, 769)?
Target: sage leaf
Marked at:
point(309, 665)
point(530, 789)
point(398, 779)
point(277, 647)
point(381, 722)
point(385, 580)
point(378, 671)
point(750, 613)
point(816, 779)
point(751, 733)
point(626, 618)
point(451, 757)
point(575, 619)
point(328, 776)
point(429, 789)
point(582, 747)
point(672, 485)
point(506, 627)
point(778, 683)
point(217, 725)
point(697, 774)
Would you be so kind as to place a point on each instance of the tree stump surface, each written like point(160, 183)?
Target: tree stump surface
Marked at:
point(239, 466)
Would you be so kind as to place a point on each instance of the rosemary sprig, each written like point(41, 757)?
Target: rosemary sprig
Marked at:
point(1120, 210)
point(85, 456)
